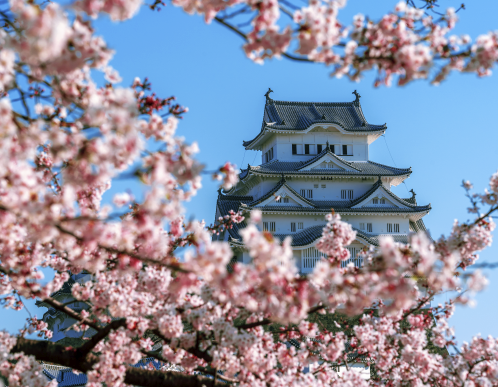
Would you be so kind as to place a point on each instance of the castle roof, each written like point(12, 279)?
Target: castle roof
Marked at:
point(296, 168)
point(287, 116)
point(321, 207)
point(67, 377)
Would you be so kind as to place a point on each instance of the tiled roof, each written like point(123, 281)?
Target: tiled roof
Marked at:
point(344, 210)
point(65, 289)
point(418, 226)
point(66, 377)
point(363, 168)
point(311, 234)
point(378, 184)
point(298, 116)
point(304, 237)
point(226, 203)
point(324, 206)
point(280, 184)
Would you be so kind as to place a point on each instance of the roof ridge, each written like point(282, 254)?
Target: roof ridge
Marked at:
point(234, 197)
point(388, 166)
point(325, 151)
point(378, 184)
point(280, 184)
point(374, 187)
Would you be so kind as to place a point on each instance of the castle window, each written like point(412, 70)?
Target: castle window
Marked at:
point(389, 227)
point(375, 201)
point(302, 193)
point(319, 148)
point(279, 200)
point(268, 155)
point(396, 227)
point(346, 194)
point(382, 201)
point(332, 148)
point(286, 200)
point(362, 226)
point(310, 194)
point(323, 185)
point(369, 227)
point(297, 149)
point(309, 149)
point(269, 226)
point(293, 227)
point(300, 225)
point(347, 150)
point(316, 185)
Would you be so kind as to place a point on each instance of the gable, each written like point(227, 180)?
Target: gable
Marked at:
point(381, 201)
point(287, 198)
point(328, 165)
point(329, 161)
point(380, 198)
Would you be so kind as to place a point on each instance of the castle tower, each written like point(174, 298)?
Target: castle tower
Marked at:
point(315, 157)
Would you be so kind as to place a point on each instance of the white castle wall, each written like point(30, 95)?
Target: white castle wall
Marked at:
point(282, 145)
point(379, 222)
point(332, 190)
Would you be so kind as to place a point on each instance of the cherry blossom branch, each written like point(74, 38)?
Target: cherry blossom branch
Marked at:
point(244, 36)
point(76, 359)
point(71, 313)
point(101, 334)
point(174, 267)
point(267, 321)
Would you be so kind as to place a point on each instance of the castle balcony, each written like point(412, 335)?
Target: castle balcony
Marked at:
point(311, 256)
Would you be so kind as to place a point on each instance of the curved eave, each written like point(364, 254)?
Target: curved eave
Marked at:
point(253, 144)
point(408, 213)
point(236, 243)
point(395, 180)
point(322, 174)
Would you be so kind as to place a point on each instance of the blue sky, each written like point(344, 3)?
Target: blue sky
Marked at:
point(446, 133)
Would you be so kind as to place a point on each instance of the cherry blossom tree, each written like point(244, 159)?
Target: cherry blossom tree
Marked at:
point(64, 139)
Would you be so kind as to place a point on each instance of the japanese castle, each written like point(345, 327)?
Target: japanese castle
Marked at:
point(315, 157)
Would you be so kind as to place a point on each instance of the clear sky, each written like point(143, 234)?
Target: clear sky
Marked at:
point(446, 133)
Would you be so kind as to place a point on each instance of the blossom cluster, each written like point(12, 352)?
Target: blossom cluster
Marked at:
point(61, 154)
point(405, 43)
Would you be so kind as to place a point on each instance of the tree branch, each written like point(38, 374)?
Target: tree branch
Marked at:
point(244, 36)
point(101, 335)
point(73, 358)
point(71, 313)
point(113, 250)
point(267, 321)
